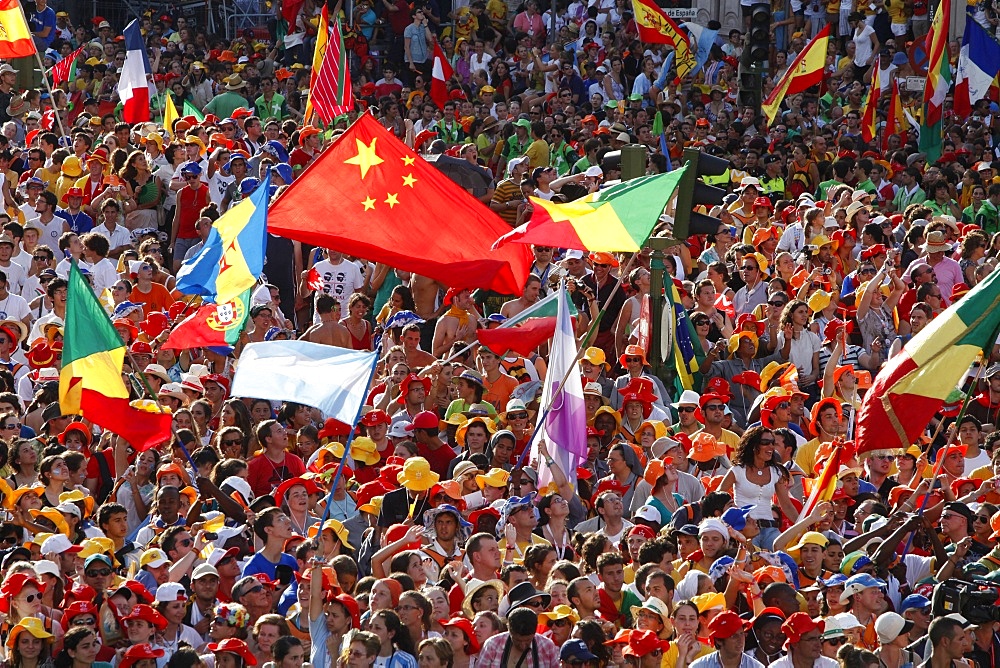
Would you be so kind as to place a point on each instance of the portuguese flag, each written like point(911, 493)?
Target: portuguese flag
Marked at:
point(615, 219)
point(914, 384)
point(527, 330)
point(212, 325)
point(90, 383)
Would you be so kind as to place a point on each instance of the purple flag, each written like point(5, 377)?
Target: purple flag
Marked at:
point(565, 428)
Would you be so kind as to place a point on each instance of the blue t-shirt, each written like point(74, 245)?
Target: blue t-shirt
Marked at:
point(81, 223)
point(38, 21)
point(259, 564)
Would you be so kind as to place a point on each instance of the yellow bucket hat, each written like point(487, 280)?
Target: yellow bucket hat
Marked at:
point(734, 340)
point(337, 527)
point(373, 507)
point(53, 516)
point(768, 373)
point(12, 499)
point(709, 601)
point(819, 300)
point(32, 625)
point(495, 478)
point(417, 476)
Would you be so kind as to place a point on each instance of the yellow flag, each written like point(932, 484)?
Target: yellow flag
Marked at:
point(170, 115)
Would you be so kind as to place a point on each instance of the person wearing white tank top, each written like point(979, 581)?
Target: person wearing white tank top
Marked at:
point(756, 477)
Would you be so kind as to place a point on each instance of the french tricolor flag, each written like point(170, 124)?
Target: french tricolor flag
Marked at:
point(977, 67)
point(134, 87)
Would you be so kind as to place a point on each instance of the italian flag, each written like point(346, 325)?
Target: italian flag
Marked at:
point(90, 383)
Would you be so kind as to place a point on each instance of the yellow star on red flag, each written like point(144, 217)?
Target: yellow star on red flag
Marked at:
point(366, 157)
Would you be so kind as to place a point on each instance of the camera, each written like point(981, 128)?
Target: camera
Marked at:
point(976, 601)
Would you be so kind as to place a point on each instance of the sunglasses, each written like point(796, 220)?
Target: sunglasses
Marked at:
point(30, 598)
point(835, 641)
point(12, 426)
point(983, 519)
point(633, 359)
point(783, 404)
point(686, 409)
point(533, 604)
point(748, 267)
point(230, 442)
point(100, 573)
point(8, 540)
point(598, 264)
point(190, 177)
point(716, 407)
point(777, 304)
point(256, 590)
point(526, 481)
point(517, 416)
point(767, 441)
point(185, 542)
point(84, 621)
point(700, 323)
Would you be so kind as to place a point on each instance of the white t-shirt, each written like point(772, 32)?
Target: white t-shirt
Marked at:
point(120, 236)
point(217, 186)
point(803, 348)
point(103, 274)
point(16, 277)
point(14, 307)
point(23, 258)
point(863, 46)
point(50, 232)
point(340, 281)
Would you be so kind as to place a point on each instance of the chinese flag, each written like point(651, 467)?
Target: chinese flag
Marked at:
point(369, 195)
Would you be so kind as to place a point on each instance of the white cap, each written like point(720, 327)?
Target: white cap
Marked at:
point(847, 621)
point(398, 429)
point(649, 513)
point(69, 508)
point(662, 446)
point(171, 591)
point(890, 625)
point(56, 544)
point(201, 570)
point(831, 223)
point(45, 566)
point(573, 254)
point(594, 170)
point(623, 136)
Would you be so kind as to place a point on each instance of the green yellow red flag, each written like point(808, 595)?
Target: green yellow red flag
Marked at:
point(90, 382)
point(937, 85)
point(616, 219)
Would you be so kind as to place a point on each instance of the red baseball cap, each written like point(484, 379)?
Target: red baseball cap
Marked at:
point(726, 624)
point(797, 625)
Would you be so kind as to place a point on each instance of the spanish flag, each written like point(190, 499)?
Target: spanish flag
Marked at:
point(90, 382)
point(895, 120)
point(869, 115)
point(15, 38)
point(805, 72)
point(655, 27)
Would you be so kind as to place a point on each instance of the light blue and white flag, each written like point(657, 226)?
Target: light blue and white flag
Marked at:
point(334, 380)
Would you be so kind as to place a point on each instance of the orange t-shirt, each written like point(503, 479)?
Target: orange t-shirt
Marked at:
point(498, 392)
point(157, 299)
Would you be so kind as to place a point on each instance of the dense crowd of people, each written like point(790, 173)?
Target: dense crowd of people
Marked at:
point(268, 533)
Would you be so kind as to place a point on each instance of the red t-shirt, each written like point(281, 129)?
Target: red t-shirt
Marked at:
point(438, 459)
point(190, 203)
point(265, 476)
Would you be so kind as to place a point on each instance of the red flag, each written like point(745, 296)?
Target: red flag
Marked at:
point(440, 76)
point(63, 70)
point(290, 10)
point(314, 280)
point(393, 207)
point(522, 339)
point(15, 37)
point(212, 326)
point(331, 94)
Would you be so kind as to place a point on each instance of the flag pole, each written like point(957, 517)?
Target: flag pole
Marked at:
point(347, 449)
point(48, 87)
